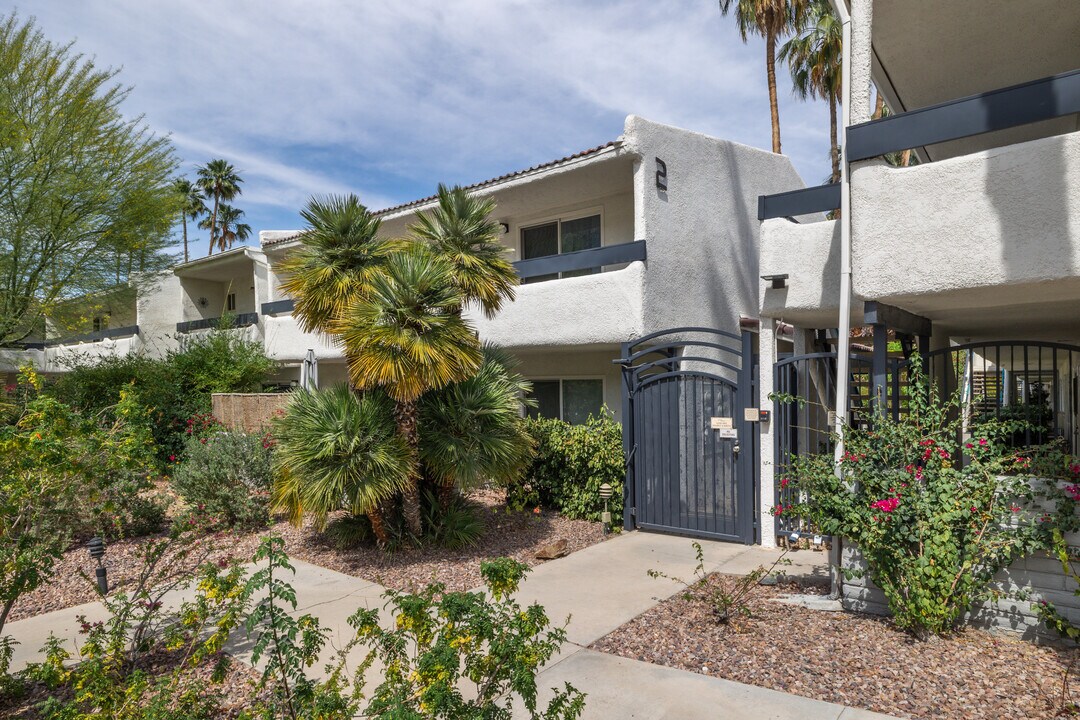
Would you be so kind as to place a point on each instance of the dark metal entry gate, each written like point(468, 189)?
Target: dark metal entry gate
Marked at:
point(692, 455)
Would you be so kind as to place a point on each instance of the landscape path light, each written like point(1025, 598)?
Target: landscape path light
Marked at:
point(605, 494)
point(96, 546)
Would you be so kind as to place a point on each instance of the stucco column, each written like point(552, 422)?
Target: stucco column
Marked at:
point(862, 25)
point(766, 474)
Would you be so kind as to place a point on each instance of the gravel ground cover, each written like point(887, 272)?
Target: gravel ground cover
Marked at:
point(514, 534)
point(852, 659)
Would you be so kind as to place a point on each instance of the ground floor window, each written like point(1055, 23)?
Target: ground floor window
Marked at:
point(572, 400)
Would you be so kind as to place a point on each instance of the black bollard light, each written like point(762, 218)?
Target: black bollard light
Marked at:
point(96, 546)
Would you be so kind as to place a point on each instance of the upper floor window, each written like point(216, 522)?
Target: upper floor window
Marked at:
point(230, 302)
point(101, 322)
point(558, 237)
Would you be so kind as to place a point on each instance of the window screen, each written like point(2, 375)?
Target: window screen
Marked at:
point(580, 399)
point(581, 234)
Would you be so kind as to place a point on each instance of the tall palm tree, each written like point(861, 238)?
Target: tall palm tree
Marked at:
point(218, 180)
point(230, 229)
point(406, 336)
point(814, 58)
point(462, 230)
point(191, 205)
point(338, 449)
point(771, 19)
point(338, 257)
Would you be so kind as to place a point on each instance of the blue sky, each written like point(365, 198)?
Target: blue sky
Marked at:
point(387, 98)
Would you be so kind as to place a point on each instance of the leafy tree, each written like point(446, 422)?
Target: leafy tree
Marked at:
point(337, 448)
point(88, 198)
point(192, 205)
point(771, 19)
point(461, 229)
point(406, 336)
point(814, 59)
point(218, 180)
point(339, 256)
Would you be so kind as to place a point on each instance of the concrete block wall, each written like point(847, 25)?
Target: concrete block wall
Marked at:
point(1038, 575)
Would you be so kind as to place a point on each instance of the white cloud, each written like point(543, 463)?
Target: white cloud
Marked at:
point(384, 96)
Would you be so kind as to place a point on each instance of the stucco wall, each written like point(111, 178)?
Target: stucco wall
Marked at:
point(601, 308)
point(1006, 218)
point(702, 232)
point(809, 254)
point(285, 341)
point(159, 309)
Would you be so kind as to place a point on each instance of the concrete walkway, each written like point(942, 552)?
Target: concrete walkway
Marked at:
point(599, 589)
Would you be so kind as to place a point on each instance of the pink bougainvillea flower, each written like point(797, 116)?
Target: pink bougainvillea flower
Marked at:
point(943, 453)
point(172, 458)
point(536, 510)
point(784, 482)
point(983, 441)
point(1075, 469)
point(1073, 491)
point(927, 442)
point(969, 446)
point(887, 505)
point(918, 473)
point(1015, 508)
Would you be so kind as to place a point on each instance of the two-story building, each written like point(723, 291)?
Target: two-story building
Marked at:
point(970, 253)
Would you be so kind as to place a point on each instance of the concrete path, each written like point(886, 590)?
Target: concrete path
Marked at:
point(599, 589)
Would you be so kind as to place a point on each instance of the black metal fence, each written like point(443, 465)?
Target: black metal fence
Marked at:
point(1033, 382)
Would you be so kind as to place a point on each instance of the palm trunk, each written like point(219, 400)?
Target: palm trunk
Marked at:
point(905, 158)
point(879, 107)
point(213, 225)
point(834, 149)
point(184, 220)
point(405, 413)
point(378, 526)
point(774, 107)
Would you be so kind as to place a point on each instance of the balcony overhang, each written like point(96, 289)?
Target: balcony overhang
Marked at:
point(222, 267)
point(928, 52)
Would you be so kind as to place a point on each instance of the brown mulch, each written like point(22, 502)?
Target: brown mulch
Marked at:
point(508, 533)
point(237, 690)
point(853, 659)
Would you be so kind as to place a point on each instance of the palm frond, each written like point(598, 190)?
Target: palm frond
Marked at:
point(337, 449)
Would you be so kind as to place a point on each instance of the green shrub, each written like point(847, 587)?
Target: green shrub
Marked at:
point(349, 531)
point(171, 389)
point(451, 521)
point(933, 532)
point(571, 463)
point(227, 476)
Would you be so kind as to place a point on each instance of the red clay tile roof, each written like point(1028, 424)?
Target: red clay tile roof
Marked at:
point(476, 186)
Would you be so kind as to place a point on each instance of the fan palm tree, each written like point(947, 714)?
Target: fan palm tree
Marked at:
point(337, 449)
point(814, 58)
point(191, 205)
point(218, 180)
point(406, 336)
point(230, 229)
point(339, 256)
point(472, 431)
point(461, 229)
point(771, 19)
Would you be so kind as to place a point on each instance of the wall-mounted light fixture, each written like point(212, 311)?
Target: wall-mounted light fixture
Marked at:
point(778, 281)
point(505, 227)
point(661, 175)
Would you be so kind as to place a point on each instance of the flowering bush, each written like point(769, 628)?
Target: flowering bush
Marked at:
point(932, 529)
point(225, 475)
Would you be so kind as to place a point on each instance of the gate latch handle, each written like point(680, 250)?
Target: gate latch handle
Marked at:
point(735, 449)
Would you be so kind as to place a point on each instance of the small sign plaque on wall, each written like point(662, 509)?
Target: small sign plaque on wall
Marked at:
point(721, 423)
point(729, 434)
